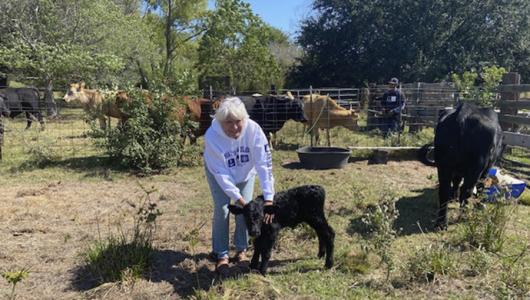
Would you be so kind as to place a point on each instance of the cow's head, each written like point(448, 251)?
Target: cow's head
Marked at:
point(253, 214)
point(74, 92)
point(4, 110)
point(296, 110)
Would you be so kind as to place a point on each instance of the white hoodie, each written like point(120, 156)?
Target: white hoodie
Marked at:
point(233, 161)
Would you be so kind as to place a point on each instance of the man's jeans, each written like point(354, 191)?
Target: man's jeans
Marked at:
point(220, 228)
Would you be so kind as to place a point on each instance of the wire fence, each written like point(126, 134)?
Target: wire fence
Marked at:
point(67, 135)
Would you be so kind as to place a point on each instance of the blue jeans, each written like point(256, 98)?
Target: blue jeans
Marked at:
point(220, 228)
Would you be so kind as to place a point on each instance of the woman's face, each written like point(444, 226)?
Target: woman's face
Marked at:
point(232, 127)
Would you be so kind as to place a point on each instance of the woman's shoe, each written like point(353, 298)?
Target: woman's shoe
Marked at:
point(241, 256)
point(222, 268)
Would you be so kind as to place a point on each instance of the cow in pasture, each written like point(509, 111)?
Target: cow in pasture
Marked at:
point(96, 105)
point(467, 142)
point(272, 112)
point(303, 204)
point(322, 112)
point(208, 108)
point(27, 100)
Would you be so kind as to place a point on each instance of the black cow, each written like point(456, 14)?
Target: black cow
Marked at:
point(467, 142)
point(271, 112)
point(26, 100)
point(291, 207)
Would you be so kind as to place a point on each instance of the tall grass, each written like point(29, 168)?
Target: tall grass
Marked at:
point(126, 253)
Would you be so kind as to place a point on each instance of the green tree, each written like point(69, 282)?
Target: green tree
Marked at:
point(55, 41)
point(177, 25)
point(348, 42)
point(479, 87)
point(236, 44)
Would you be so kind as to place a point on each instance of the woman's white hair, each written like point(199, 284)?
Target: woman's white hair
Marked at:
point(231, 107)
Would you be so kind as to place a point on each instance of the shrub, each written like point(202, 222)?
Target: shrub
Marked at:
point(379, 221)
point(14, 277)
point(485, 228)
point(41, 152)
point(127, 253)
point(151, 139)
point(514, 279)
point(479, 263)
point(427, 263)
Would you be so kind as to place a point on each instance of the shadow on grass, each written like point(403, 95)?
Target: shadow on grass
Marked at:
point(294, 165)
point(416, 215)
point(286, 146)
point(174, 267)
point(92, 166)
point(187, 274)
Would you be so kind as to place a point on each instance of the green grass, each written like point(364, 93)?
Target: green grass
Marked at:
point(63, 153)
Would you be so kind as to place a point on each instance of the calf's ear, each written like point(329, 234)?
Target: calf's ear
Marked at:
point(236, 210)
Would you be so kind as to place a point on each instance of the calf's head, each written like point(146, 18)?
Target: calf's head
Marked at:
point(75, 92)
point(253, 214)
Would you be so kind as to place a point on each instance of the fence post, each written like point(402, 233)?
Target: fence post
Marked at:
point(509, 78)
point(311, 112)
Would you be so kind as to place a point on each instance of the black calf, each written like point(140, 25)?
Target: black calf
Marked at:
point(291, 207)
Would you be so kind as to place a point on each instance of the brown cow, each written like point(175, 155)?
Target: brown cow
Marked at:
point(322, 112)
point(94, 103)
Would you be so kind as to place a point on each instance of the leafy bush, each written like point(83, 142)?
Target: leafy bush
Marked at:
point(127, 253)
point(485, 228)
point(484, 93)
point(379, 220)
point(151, 139)
point(41, 152)
point(429, 262)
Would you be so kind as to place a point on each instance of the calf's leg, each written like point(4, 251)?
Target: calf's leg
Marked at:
point(326, 237)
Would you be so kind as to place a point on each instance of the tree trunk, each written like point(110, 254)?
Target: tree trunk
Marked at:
point(51, 106)
point(168, 38)
point(144, 81)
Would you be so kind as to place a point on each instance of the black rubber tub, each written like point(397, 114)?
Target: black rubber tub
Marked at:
point(323, 157)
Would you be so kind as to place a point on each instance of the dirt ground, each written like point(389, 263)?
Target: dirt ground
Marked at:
point(46, 227)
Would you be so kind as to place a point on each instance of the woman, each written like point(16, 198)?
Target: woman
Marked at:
point(236, 149)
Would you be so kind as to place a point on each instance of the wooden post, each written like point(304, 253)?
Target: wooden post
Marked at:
point(509, 78)
point(327, 127)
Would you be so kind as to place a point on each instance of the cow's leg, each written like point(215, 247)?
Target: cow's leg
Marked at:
point(326, 237)
point(444, 194)
point(470, 180)
point(28, 120)
point(316, 134)
point(272, 140)
point(102, 122)
point(38, 114)
point(455, 184)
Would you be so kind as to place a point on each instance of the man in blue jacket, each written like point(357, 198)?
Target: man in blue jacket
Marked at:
point(392, 104)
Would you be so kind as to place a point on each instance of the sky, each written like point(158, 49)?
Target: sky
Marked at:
point(282, 14)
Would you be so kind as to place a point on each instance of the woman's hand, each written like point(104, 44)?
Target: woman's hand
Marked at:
point(268, 209)
point(241, 202)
